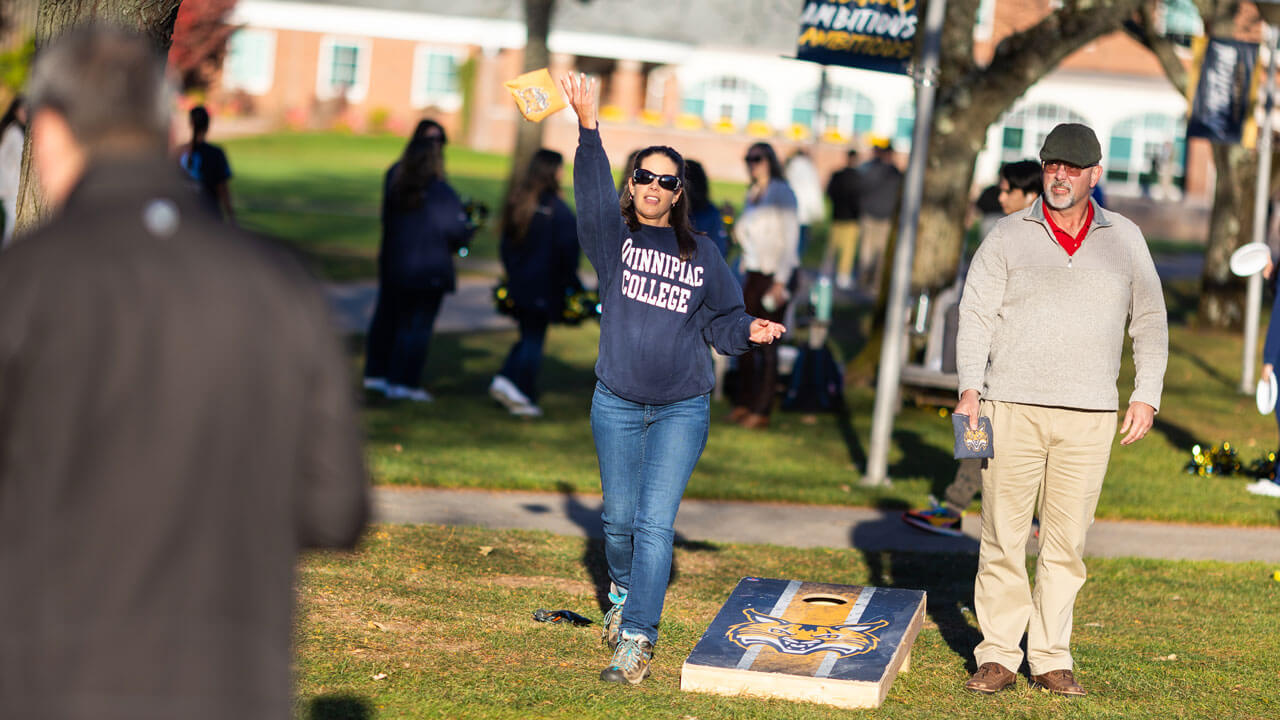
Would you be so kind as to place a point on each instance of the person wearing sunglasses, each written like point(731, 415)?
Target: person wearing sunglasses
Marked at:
point(666, 292)
point(1038, 351)
point(769, 233)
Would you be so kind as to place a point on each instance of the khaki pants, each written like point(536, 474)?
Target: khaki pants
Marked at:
point(1052, 460)
point(842, 245)
point(874, 239)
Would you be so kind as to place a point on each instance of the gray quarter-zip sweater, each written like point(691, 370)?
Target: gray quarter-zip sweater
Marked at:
point(1040, 327)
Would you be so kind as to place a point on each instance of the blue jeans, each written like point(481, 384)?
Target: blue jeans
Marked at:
point(646, 454)
point(400, 334)
point(525, 358)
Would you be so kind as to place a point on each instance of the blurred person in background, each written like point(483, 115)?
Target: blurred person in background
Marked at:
point(423, 224)
point(13, 131)
point(703, 213)
point(768, 232)
point(176, 421)
point(540, 254)
point(879, 181)
point(207, 164)
point(802, 176)
point(842, 245)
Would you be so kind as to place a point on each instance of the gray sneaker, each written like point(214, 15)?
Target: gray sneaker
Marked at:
point(611, 628)
point(630, 660)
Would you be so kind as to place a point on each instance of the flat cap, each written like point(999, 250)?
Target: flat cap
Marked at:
point(1072, 143)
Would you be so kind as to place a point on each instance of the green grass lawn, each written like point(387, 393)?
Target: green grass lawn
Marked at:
point(435, 622)
point(320, 192)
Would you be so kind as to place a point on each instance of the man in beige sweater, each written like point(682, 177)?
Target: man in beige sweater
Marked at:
point(1042, 325)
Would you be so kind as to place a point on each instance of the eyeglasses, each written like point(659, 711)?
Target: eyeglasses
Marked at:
point(753, 159)
point(1053, 166)
point(671, 183)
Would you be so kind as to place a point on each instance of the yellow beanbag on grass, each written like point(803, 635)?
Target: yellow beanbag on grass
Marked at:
point(536, 95)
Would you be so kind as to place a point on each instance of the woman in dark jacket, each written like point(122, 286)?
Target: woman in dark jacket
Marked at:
point(540, 254)
point(423, 223)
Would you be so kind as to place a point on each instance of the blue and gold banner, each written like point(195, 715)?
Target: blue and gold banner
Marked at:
point(869, 34)
point(1223, 103)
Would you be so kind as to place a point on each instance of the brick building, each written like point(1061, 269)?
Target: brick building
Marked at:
point(709, 77)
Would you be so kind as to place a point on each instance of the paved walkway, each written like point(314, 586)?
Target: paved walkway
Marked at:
point(805, 525)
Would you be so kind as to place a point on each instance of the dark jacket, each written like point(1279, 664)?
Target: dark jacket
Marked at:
point(418, 243)
point(544, 264)
point(659, 312)
point(878, 185)
point(176, 422)
point(843, 190)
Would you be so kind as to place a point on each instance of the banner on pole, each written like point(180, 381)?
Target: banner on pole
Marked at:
point(868, 34)
point(1222, 103)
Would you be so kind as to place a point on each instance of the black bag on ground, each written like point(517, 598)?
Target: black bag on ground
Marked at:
point(817, 382)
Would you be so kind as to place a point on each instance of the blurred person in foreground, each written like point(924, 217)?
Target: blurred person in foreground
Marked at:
point(206, 164)
point(176, 422)
point(1038, 350)
point(423, 224)
point(540, 255)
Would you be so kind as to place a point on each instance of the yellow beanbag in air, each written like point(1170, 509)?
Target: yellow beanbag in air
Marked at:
point(536, 95)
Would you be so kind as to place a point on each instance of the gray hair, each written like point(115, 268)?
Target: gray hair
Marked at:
point(109, 84)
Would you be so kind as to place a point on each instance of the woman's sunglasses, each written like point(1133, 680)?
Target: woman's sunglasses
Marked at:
point(670, 183)
point(753, 159)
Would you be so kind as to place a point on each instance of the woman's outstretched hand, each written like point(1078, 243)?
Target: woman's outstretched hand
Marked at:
point(580, 90)
point(766, 331)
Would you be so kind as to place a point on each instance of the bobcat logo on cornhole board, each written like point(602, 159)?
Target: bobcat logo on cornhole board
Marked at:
point(794, 638)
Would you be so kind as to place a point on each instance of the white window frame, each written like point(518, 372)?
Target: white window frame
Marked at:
point(419, 95)
point(264, 78)
point(734, 92)
point(324, 67)
point(985, 22)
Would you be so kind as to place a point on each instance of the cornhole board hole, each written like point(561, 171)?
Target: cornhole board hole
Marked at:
point(836, 644)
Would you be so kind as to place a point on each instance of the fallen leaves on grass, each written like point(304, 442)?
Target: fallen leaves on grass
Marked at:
point(1166, 658)
point(485, 550)
point(380, 676)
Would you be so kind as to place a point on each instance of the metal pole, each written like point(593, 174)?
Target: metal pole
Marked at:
point(1262, 194)
point(891, 351)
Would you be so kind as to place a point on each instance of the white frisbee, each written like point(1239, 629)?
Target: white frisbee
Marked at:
point(1250, 259)
point(1266, 394)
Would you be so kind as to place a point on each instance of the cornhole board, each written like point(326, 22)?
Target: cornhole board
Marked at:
point(840, 645)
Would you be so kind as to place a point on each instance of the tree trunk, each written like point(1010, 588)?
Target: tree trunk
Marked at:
point(1222, 296)
point(153, 18)
point(537, 15)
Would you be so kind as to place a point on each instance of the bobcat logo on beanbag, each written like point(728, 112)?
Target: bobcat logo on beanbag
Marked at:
point(802, 638)
point(975, 440)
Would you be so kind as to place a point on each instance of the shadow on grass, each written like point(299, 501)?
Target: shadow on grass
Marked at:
point(1178, 437)
point(947, 579)
point(1203, 366)
point(339, 707)
point(587, 517)
point(920, 459)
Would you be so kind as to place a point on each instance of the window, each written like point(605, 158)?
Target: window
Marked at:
point(905, 126)
point(1025, 129)
point(1179, 20)
point(250, 63)
point(435, 78)
point(1147, 151)
point(343, 69)
point(847, 110)
point(726, 98)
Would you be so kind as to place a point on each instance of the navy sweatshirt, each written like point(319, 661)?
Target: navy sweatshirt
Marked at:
point(659, 313)
point(418, 243)
point(544, 264)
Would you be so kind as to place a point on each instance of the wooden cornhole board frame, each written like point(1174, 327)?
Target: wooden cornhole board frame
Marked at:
point(763, 642)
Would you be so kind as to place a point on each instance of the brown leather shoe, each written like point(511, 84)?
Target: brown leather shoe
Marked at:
point(1058, 682)
point(737, 414)
point(755, 422)
point(990, 679)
